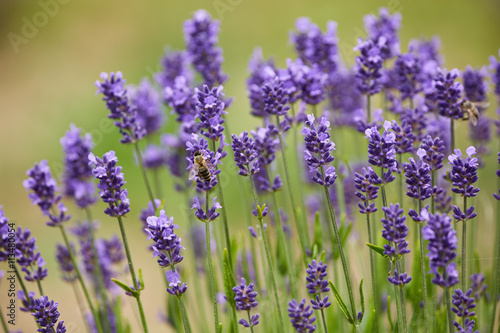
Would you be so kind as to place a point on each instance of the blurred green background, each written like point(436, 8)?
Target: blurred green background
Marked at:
point(47, 82)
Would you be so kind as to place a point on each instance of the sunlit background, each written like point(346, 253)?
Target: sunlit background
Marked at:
point(47, 80)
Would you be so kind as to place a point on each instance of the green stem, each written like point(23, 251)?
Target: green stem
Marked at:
point(397, 296)
point(433, 198)
point(23, 287)
point(156, 176)
point(80, 303)
point(39, 284)
point(324, 321)
point(224, 216)
point(144, 175)
point(372, 273)
point(368, 109)
point(496, 273)
point(303, 233)
point(342, 256)
point(211, 268)
point(427, 320)
point(4, 324)
point(269, 260)
point(313, 107)
point(384, 196)
point(448, 309)
point(185, 321)
point(452, 133)
point(97, 265)
point(250, 321)
point(464, 248)
point(80, 279)
point(132, 274)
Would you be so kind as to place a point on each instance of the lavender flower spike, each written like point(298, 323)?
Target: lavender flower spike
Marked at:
point(27, 257)
point(44, 188)
point(366, 185)
point(176, 287)
point(46, 316)
point(245, 154)
point(300, 315)
point(147, 102)
point(245, 301)
point(463, 305)
point(199, 145)
point(449, 93)
point(316, 284)
point(210, 111)
point(275, 98)
point(318, 151)
point(111, 183)
point(464, 172)
point(167, 245)
point(418, 179)
point(368, 66)
point(118, 104)
point(382, 151)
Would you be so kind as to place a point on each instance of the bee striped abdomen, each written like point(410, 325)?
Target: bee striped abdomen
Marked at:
point(205, 174)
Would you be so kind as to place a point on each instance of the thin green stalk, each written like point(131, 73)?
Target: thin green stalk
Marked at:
point(132, 274)
point(423, 270)
point(324, 321)
point(313, 107)
point(464, 248)
point(23, 287)
point(211, 269)
point(224, 216)
point(433, 199)
point(403, 307)
point(448, 310)
point(39, 284)
point(496, 273)
point(397, 296)
point(4, 324)
point(80, 279)
point(144, 175)
point(269, 260)
point(452, 133)
point(373, 276)
point(368, 109)
point(303, 233)
point(80, 303)
point(185, 321)
point(250, 321)
point(342, 256)
point(97, 265)
point(156, 176)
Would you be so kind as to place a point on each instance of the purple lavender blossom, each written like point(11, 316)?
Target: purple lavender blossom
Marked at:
point(449, 94)
point(210, 110)
point(367, 187)
point(404, 137)
point(147, 102)
point(300, 315)
point(408, 69)
point(442, 249)
point(382, 151)
point(292, 77)
point(246, 156)
point(167, 245)
point(443, 201)
point(27, 257)
point(368, 67)
point(417, 118)
point(201, 36)
point(418, 179)
point(175, 152)
point(175, 64)
point(65, 263)
point(275, 97)
point(77, 173)
point(385, 27)
point(440, 127)
point(395, 232)
point(475, 86)
point(427, 50)
point(6, 252)
point(318, 151)
point(176, 287)
point(27, 303)
point(154, 157)
point(199, 145)
point(431, 152)
point(179, 96)
point(313, 85)
point(495, 73)
point(478, 286)
point(344, 97)
point(464, 172)
point(44, 188)
point(111, 183)
point(261, 72)
point(147, 212)
point(245, 301)
point(46, 316)
point(320, 304)
point(316, 274)
point(118, 104)
point(463, 305)
point(204, 216)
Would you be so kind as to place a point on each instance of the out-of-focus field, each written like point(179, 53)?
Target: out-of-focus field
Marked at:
point(47, 82)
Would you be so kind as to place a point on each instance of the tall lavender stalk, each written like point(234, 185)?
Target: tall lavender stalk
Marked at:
point(496, 273)
point(111, 191)
point(318, 156)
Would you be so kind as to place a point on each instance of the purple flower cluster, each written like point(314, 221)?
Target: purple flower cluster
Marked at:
point(418, 179)
point(204, 216)
point(179, 96)
point(300, 315)
point(367, 187)
point(408, 69)
point(463, 172)
point(46, 316)
point(27, 303)
point(246, 155)
point(245, 301)
point(313, 85)
point(368, 66)
point(65, 263)
point(154, 157)
point(199, 145)
point(77, 172)
point(6, 252)
point(118, 104)
point(201, 34)
point(147, 103)
point(382, 150)
point(275, 97)
point(261, 72)
point(404, 137)
point(167, 245)
point(475, 86)
point(316, 284)
point(43, 189)
point(314, 47)
point(175, 64)
point(210, 109)
point(318, 151)
point(442, 245)
point(385, 28)
point(449, 94)
point(110, 184)
point(463, 305)
point(431, 152)
point(395, 232)
point(478, 286)
point(176, 287)
point(27, 257)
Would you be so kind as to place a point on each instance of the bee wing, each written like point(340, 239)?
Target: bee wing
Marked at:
point(210, 166)
point(473, 120)
point(193, 172)
point(482, 105)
